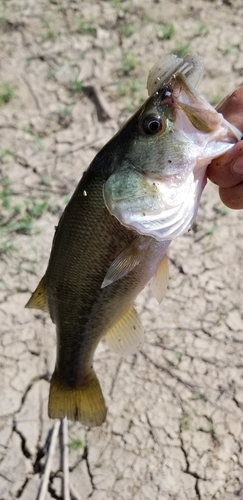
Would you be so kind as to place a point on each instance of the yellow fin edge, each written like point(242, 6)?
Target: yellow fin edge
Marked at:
point(84, 403)
point(38, 298)
point(126, 335)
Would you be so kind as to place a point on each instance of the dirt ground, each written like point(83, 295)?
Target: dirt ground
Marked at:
point(71, 72)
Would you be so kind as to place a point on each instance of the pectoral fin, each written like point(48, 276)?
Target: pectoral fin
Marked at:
point(38, 298)
point(126, 261)
point(160, 280)
point(126, 335)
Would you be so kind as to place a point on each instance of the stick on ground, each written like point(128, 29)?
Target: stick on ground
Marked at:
point(65, 464)
point(45, 481)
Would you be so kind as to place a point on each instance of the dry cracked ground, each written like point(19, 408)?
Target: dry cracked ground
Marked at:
point(71, 72)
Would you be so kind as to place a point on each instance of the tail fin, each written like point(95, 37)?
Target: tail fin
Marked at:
point(84, 403)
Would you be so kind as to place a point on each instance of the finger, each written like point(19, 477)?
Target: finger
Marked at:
point(232, 197)
point(221, 171)
point(227, 170)
point(232, 107)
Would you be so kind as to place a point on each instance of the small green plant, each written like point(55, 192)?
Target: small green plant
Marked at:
point(203, 29)
point(166, 32)
point(132, 87)
point(6, 245)
point(124, 5)
point(50, 33)
point(76, 86)
point(202, 396)
point(4, 152)
point(29, 129)
point(210, 430)
point(129, 62)
point(98, 465)
point(6, 93)
point(5, 193)
point(86, 27)
point(182, 50)
point(222, 210)
point(230, 48)
point(76, 444)
point(178, 356)
point(211, 230)
point(17, 218)
point(185, 422)
point(65, 116)
point(126, 30)
point(215, 99)
point(66, 111)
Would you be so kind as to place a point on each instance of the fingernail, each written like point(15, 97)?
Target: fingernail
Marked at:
point(237, 166)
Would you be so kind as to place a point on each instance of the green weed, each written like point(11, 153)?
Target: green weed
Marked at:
point(182, 50)
point(76, 444)
point(202, 396)
point(124, 5)
point(50, 33)
point(203, 29)
point(17, 217)
point(4, 152)
point(5, 193)
point(129, 62)
point(215, 99)
point(185, 422)
point(166, 32)
point(65, 116)
point(222, 210)
point(132, 87)
point(6, 245)
point(66, 111)
point(86, 27)
point(211, 430)
point(211, 230)
point(76, 86)
point(98, 465)
point(6, 93)
point(126, 30)
point(29, 129)
point(178, 356)
point(230, 48)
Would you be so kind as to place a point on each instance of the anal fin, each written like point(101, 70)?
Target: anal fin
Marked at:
point(160, 279)
point(126, 335)
point(38, 298)
point(84, 403)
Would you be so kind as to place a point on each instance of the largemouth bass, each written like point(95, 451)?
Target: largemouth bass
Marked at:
point(141, 191)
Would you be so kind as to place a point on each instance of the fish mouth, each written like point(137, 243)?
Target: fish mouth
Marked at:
point(201, 115)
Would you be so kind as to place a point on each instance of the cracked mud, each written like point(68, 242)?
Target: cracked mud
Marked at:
point(70, 74)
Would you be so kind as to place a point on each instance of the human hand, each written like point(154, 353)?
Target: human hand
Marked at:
point(227, 170)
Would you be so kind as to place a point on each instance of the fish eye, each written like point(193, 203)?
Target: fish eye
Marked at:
point(152, 125)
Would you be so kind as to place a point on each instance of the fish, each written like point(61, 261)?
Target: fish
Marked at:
point(140, 192)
